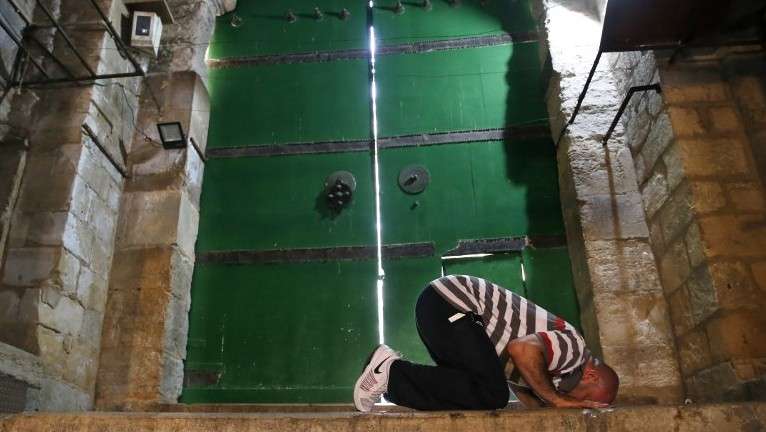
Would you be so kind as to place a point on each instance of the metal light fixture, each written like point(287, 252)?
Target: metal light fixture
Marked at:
point(172, 135)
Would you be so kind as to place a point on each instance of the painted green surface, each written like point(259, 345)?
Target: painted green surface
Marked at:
point(503, 270)
point(405, 280)
point(444, 21)
point(549, 282)
point(264, 28)
point(293, 333)
point(477, 190)
point(467, 89)
point(278, 202)
point(281, 333)
point(289, 103)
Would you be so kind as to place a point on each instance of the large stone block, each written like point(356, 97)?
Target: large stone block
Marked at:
point(708, 196)
point(66, 317)
point(676, 214)
point(686, 121)
point(38, 192)
point(648, 374)
point(659, 139)
point(622, 266)
point(750, 96)
point(721, 157)
point(30, 266)
point(654, 193)
point(715, 383)
point(607, 217)
point(733, 235)
point(703, 297)
point(694, 352)
point(724, 119)
point(147, 314)
point(171, 380)
point(673, 166)
point(690, 85)
point(38, 228)
point(735, 286)
point(149, 218)
point(637, 320)
point(748, 197)
point(737, 335)
point(81, 365)
point(680, 311)
point(674, 266)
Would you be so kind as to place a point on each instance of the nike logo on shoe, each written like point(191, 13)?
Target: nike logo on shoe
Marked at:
point(377, 368)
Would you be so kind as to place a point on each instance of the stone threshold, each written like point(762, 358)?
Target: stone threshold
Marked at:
point(714, 417)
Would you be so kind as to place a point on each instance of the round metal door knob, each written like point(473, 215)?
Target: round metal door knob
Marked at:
point(414, 179)
point(339, 189)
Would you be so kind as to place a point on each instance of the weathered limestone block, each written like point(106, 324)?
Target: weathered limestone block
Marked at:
point(613, 217)
point(624, 313)
point(184, 99)
point(183, 44)
point(694, 352)
point(674, 266)
point(147, 318)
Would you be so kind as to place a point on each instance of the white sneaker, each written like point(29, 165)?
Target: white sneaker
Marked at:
point(374, 379)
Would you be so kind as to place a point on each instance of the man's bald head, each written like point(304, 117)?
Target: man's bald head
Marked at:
point(599, 383)
point(608, 384)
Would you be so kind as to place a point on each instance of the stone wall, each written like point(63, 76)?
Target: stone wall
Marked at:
point(60, 235)
point(695, 152)
point(146, 324)
point(624, 312)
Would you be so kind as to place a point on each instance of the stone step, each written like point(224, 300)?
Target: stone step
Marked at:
point(749, 417)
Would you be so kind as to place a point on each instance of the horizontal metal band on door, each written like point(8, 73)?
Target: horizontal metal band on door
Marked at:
point(363, 53)
point(416, 140)
point(329, 254)
point(504, 244)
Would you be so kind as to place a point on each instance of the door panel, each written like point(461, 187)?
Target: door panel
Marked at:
point(280, 332)
point(475, 192)
point(549, 282)
point(504, 270)
point(278, 203)
point(273, 104)
point(405, 280)
point(466, 89)
point(264, 28)
point(443, 21)
point(290, 332)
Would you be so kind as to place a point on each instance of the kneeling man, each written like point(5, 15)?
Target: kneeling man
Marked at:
point(483, 337)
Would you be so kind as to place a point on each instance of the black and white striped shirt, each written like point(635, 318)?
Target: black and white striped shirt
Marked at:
point(507, 316)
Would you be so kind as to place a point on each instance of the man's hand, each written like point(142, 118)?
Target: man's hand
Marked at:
point(564, 401)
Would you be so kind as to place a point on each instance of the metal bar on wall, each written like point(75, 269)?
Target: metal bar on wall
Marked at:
point(415, 140)
point(65, 36)
point(37, 42)
point(357, 54)
point(304, 255)
point(631, 92)
point(21, 46)
point(504, 244)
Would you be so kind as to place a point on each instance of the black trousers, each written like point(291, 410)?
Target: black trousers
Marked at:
point(468, 374)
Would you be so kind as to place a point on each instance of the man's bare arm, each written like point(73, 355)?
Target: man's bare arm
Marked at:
point(526, 397)
point(527, 355)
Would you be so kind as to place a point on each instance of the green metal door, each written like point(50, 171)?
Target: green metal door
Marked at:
point(284, 299)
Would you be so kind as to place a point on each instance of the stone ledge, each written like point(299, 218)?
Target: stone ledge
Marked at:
point(21, 365)
point(719, 417)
